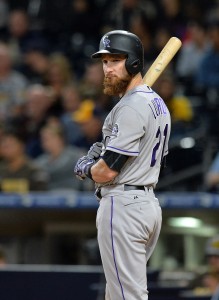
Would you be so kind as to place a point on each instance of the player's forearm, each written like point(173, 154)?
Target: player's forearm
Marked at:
point(101, 173)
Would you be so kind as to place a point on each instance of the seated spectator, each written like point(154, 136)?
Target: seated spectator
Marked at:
point(207, 75)
point(59, 75)
point(3, 257)
point(121, 13)
point(36, 61)
point(90, 121)
point(144, 28)
point(59, 158)
point(193, 49)
point(21, 34)
point(207, 79)
point(18, 173)
point(212, 253)
point(12, 85)
point(35, 113)
point(211, 282)
point(71, 100)
point(171, 16)
point(161, 37)
point(91, 84)
point(91, 87)
point(179, 105)
point(83, 38)
point(212, 176)
point(207, 283)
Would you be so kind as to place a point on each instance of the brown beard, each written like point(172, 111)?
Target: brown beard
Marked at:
point(114, 86)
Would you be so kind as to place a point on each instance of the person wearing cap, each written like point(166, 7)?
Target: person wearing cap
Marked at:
point(89, 119)
point(207, 283)
point(212, 253)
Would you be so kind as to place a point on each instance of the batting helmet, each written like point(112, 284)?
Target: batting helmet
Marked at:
point(123, 42)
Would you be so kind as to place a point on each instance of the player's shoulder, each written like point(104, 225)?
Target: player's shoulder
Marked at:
point(138, 96)
point(142, 90)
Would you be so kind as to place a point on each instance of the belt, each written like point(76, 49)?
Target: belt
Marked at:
point(127, 187)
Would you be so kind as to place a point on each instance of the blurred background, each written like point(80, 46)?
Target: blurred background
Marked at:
point(51, 111)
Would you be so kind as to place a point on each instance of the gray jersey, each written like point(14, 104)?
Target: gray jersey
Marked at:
point(139, 126)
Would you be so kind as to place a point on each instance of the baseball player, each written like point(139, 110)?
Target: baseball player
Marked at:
point(125, 168)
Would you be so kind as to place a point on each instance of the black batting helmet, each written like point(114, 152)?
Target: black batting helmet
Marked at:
point(123, 42)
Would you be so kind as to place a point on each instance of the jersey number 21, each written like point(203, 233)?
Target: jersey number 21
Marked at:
point(159, 136)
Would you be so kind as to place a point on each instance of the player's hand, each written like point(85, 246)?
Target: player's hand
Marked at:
point(95, 150)
point(83, 166)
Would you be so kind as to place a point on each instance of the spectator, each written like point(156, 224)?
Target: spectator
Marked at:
point(210, 279)
point(212, 176)
point(90, 87)
point(59, 75)
point(212, 253)
point(57, 18)
point(193, 49)
point(85, 12)
point(179, 105)
point(71, 100)
point(210, 62)
point(144, 29)
point(12, 85)
point(90, 121)
point(84, 39)
point(172, 18)
point(207, 283)
point(36, 61)
point(207, 79)
point(211, 282)
point(161, 37)
point(121, 14)
point(20, 35)
point(18, 173)
point(92, 81)
point(58, 158)
point(3, 257)
point(35, 113)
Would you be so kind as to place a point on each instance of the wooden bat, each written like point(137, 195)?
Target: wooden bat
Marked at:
point(162, 60)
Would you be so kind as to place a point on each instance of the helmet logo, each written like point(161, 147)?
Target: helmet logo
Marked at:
point(106, 42)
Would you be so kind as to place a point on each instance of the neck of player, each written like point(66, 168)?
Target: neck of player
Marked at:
point(136, 81)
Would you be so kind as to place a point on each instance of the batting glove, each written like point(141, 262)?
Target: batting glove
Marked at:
point(83, 166)
point(95, 150)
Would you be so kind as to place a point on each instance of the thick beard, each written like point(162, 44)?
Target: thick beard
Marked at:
point(114, 86)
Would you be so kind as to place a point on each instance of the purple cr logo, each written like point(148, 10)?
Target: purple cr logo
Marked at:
point(106, 42)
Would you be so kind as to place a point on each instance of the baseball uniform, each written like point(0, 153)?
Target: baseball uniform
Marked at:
point(129, 215)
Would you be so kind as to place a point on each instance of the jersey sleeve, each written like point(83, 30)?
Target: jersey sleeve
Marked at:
point(126, 133)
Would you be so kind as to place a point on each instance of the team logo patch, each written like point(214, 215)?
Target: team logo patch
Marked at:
point(115, 130)
point(106, 42)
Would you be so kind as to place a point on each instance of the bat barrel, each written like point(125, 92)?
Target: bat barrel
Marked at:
point(162, 60)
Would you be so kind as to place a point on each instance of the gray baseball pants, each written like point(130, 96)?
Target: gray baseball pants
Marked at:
point(128, 227)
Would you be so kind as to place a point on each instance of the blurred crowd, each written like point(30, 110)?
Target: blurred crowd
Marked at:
point(51, 103)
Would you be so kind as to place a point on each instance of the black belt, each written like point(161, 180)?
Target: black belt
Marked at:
point(128, 187)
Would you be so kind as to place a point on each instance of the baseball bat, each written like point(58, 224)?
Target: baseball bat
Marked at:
point(162, 60)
